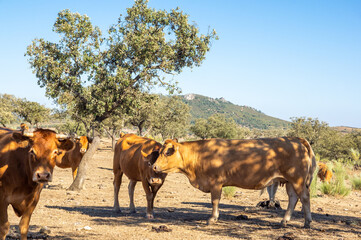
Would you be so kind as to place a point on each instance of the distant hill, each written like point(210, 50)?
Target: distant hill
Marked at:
point(203, 107)
point(344, 129)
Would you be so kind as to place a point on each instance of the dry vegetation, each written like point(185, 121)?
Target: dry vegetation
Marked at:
point(181, 209)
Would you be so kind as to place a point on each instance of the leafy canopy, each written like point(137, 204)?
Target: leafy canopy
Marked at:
point(98, 76)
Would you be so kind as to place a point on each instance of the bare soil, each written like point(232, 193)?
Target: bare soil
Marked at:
point(181, 211)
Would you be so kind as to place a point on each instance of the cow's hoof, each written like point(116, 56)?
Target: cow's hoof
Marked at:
point(284, 223)
point(211, 221)
point(149, 216)
point(307, 225)
point(117, 210)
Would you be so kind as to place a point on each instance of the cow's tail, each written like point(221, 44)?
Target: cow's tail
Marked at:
point(312, 162)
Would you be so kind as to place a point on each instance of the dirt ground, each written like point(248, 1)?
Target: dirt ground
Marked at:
point(180, 209)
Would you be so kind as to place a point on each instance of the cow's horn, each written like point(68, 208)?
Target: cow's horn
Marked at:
point(61, 136)
point(28, 134)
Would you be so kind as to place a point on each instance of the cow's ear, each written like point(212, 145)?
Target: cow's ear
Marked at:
point(175, 140)
point(66, 144)
point(121, 134)
point(21, 139)
point(90, 140)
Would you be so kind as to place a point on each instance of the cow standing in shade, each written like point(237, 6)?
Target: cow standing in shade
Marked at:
point(251, 164)
point(26, 163)
point(134, 156)
point(72, 159)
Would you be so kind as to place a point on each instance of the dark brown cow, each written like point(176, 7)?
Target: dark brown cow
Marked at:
point(26, 163)
point(72, 159)
point(134, 157)
point(251, 164)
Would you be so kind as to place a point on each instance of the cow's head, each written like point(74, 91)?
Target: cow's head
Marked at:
point(84, 143)
point(44, 146)
point(153, 177)
point(169, 159)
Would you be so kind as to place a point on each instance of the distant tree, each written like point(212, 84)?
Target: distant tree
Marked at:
point(7, 108)
point(171, 118)
point(100, 74)
point(112, 127)
point(140, 115)
point(216, 126)
point(310, 129)
point(32, 112)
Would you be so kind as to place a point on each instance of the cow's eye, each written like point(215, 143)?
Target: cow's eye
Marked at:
point(169, 152)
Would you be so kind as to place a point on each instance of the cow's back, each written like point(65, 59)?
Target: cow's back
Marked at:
point(254, 161)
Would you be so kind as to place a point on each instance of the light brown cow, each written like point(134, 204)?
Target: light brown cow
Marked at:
point(251, 164)
point(134, 157)
point(72, 159)
point(324, 173)
point(26, 163)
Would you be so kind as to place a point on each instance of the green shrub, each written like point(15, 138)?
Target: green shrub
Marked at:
point(337, 185)
point(313, 187)
point(356, 183)
point(229, 192)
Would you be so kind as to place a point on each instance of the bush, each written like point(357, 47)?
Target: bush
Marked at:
point(356, 183)
point(229, 192)
point(337, 185)
point(313, 187)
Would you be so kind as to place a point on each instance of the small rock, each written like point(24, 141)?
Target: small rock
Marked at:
point(170, 209)
point(319, 209)
point(161, 228)
point(45, 230)
point(87, 228)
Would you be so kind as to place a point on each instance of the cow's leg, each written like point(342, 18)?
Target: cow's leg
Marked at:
point(117, 182)
point(292, 201)
point(305, 199)
point(75, 172)
point(150, 197)
point(4, 223)
point(216, 193)
point(272, 190)
point(131, 188)
point(25, 218)
point(155, 189)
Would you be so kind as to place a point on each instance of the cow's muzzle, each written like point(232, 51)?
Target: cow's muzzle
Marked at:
point(154, 180)
point(82, 150)
point(42, 176)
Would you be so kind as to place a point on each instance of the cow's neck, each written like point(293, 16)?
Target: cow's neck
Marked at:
point(189, 160)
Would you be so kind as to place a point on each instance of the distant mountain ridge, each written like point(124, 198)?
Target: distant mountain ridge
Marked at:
point(204, 107)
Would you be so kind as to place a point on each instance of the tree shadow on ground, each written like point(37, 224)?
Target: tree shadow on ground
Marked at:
point(194, 216)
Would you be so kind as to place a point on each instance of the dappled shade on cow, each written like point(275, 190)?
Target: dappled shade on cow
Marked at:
point(251, 164)
point(26, 163)
point(134, 157)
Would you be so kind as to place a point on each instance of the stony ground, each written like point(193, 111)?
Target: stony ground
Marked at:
point(181, 211)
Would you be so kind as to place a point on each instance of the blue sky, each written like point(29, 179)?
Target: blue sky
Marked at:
point(285, 58)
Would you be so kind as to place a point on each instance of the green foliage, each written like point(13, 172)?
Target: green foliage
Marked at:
point(72, 127)
point(142, 115)
point(356, 183)
point(32, 112)
point(229, 192)
point(8, 104)
point(171, 118)
point(96, 77)
point(337, 185)
point(216, 126)
point(313, 186)
point(204, 107)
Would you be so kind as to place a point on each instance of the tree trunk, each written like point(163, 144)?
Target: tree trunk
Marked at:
point(113, 141)
point(78, 183)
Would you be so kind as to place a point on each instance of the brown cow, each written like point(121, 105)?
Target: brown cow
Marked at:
point(26, 163)
point(324, 173)
point(72, 159)
point(251, 164)
point(134, 157)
